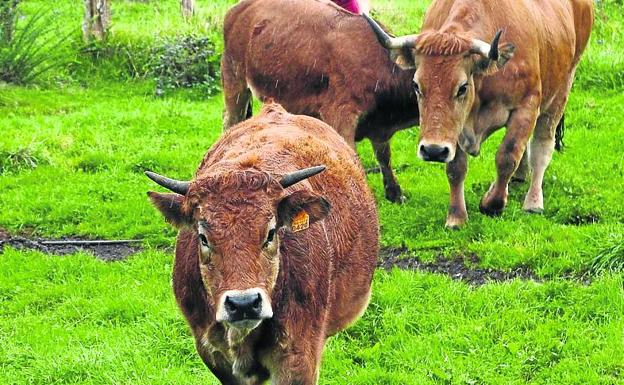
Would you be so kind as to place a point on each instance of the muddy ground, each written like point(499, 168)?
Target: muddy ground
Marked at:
point(105, 250)
point(459, 268)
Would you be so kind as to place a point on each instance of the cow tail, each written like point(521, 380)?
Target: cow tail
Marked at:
point(559, 132)
point(249, 108)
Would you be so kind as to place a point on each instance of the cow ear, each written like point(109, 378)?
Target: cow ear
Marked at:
point(172, 208)
point(300, 209)
point(404, 57)
point(486, 66)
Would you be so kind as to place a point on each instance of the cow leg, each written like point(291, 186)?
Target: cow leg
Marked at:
point(456, 173)
point(236, 93)
point(237, 105)
point(218, 365)
point(391, 186)
point(300, 365)
point(542, 147)
point(519, 129)
point(523, 170)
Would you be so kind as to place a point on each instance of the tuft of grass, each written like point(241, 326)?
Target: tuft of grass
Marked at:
point(22, 158)
point(33, 49)
point(610, 258)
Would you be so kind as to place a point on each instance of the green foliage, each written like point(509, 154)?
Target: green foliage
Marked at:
point(32, 48)
point(187, 62)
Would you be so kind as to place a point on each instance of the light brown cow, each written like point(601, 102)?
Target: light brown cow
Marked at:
point(319, 60)
point(264, 271)
point(468, 88)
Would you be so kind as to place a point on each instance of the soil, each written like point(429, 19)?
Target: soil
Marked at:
point(455, 268)
point(458, 268)
point(105, 250)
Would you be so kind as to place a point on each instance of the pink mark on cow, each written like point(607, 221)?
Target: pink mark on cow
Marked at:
point(350, 5)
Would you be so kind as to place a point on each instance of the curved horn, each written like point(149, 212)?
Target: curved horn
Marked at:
point(297, 176)
point(493, 54)
point(485, 49)
point(388, 41)
point(480, 47)
point(179, 187)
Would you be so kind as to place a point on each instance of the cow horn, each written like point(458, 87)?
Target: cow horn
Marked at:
point(297, 176)
point(179, 187)
point(388, 41)
point(485, 49)
point(493, 54)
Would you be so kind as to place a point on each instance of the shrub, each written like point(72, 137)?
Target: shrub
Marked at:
point(187, 62)
point(28, 49)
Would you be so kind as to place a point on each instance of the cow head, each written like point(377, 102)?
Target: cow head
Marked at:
point(448, 67)
point(237, 217)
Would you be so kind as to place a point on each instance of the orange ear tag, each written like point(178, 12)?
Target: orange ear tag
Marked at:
point(300, 221)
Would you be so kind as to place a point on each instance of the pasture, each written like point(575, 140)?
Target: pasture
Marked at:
point(73, 148)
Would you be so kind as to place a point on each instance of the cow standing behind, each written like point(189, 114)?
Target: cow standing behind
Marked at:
point(264, 270)
point(317, 59)
point(467, 88)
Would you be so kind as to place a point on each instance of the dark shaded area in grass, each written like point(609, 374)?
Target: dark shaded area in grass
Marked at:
point(105, 250)
point(455, 268)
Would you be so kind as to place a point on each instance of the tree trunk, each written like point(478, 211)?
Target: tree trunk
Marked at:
point(96, 19)
point(8, 10)
point(188, 8)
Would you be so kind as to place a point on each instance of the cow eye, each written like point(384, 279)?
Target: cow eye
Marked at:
point(416, 88)
point(269, 239)
point(463, 89)
point(205, 249)
point(203, 240)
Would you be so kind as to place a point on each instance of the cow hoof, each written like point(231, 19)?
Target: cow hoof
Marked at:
point(453, 223)
point(395, 196)
point(453, 227)
point(492, 207)
point(534, 210)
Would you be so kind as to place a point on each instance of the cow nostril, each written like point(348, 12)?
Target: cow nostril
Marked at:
point(257, 304)
point(229, 305)
point(435, 153)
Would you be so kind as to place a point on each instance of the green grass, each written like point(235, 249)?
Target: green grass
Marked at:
point(98, 141)
point(76, 320)
point(72, 157)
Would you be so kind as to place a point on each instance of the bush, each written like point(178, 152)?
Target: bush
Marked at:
point(28, 49)
point(187, 62)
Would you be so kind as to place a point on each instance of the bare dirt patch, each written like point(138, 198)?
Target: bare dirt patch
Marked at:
point(102, 249)
point(455, 268)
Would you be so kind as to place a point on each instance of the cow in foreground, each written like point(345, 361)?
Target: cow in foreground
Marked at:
point(467, 88)
point(265, 271)
point(319, 60)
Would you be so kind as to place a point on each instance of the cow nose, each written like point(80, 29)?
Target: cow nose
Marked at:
point(434, 153)
point(241, 307)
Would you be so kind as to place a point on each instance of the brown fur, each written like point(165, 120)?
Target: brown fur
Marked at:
point(525, 90)
point(318, 60)
point(442, 43)
point(318, 279)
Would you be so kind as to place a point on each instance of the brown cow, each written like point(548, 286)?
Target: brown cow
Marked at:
point(317, 59)
point(264, 272)
point(467, 88)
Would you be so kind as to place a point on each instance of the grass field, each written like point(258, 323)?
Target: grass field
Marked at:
point(72, 153)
